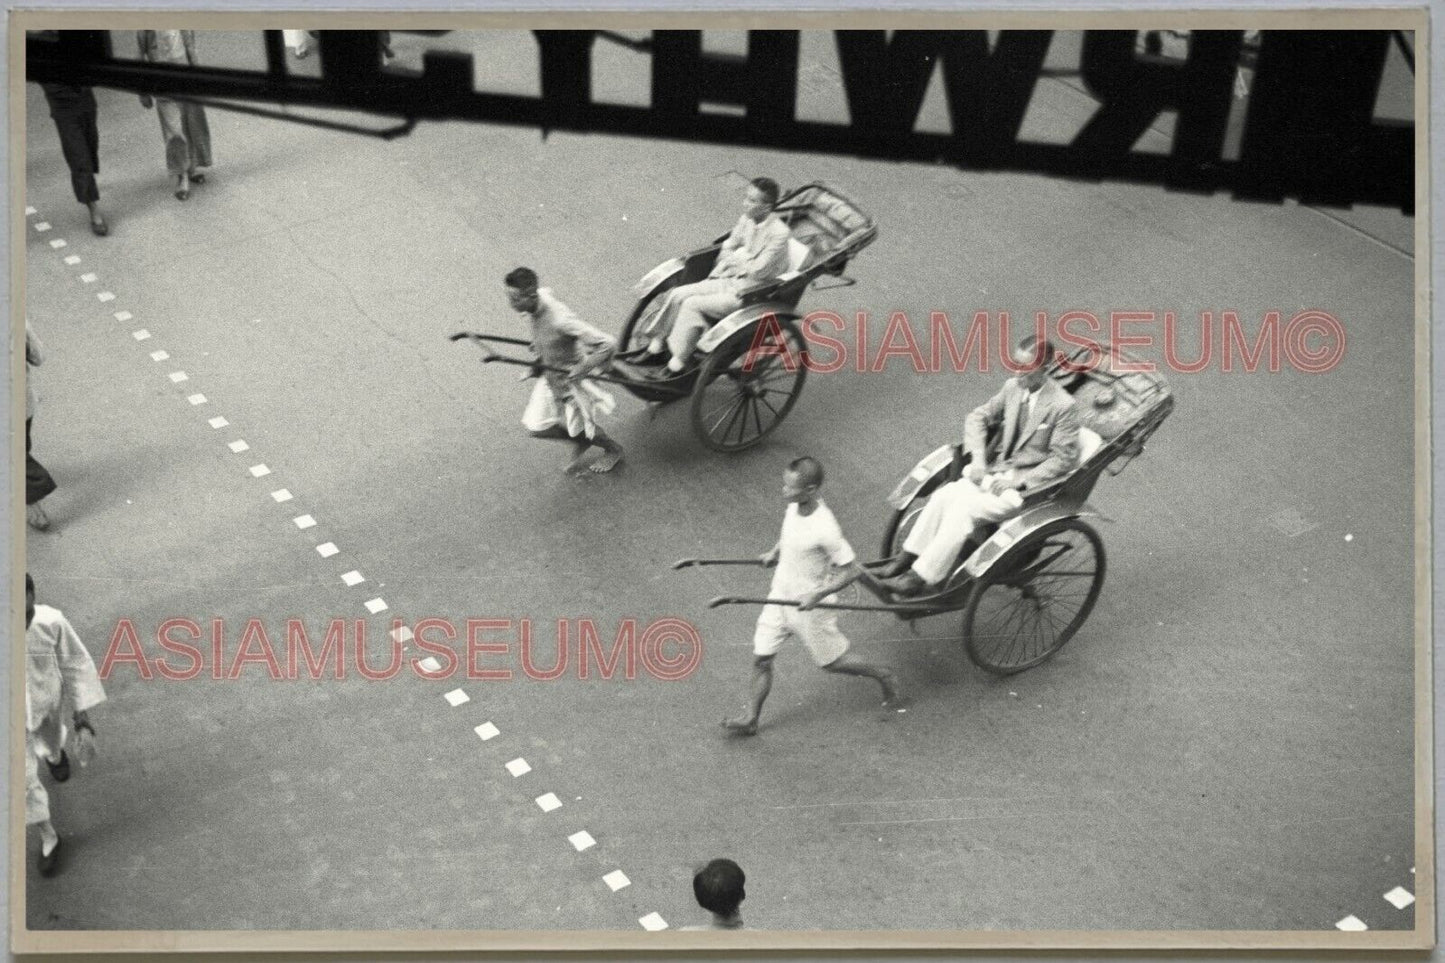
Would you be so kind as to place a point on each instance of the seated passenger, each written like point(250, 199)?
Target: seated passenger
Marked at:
point(755, 251)
point(1038, 425)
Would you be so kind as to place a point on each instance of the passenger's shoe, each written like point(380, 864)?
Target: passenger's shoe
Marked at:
point(909, 583)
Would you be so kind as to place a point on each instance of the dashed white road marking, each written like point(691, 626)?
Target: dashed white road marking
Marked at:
point(58, 243)
point(72, 259)
point(29, 211)
point(87, 278)
point(1351, 924)
point(42, 226)
point(547, 802)
point(1400, 897)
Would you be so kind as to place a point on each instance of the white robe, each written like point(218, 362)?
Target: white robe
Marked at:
point(59, 673)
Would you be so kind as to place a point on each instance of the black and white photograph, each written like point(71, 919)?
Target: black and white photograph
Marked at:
point(927, 480)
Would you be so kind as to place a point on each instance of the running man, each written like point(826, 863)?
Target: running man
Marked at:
point(565, 407)
point(811, 544)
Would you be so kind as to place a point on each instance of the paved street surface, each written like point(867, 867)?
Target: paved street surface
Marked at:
point(1226, 744)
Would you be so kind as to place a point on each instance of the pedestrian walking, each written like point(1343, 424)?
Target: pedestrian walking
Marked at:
point(73, 110)
point(183, 124)
point(38, 482)
point(59, 676)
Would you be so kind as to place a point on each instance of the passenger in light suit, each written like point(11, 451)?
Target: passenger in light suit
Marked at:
point(1038, 444)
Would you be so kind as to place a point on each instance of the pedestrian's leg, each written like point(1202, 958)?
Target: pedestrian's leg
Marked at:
point(38, 484)
point(37, 811)
point(177, 150)
point(198, 140)
point(761, 684)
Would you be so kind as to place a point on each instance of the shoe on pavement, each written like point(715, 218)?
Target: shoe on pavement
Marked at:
point(59, 771)
point(49, 863)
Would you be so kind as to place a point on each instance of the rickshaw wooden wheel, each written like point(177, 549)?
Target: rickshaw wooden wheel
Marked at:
point(741, 395)
point(1034, 598)
point(648, 307)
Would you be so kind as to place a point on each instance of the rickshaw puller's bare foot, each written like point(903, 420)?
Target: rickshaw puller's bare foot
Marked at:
point(740, 727)
point(893, 697)
point(606, 462)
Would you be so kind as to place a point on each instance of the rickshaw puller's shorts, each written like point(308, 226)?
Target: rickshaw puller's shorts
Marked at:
point(818, 630)
point(578, 413)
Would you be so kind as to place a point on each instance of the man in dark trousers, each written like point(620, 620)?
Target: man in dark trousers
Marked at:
point(73, 110)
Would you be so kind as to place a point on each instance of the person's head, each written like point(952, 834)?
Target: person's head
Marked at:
point(29, 600)
point(1035, 354)
point(802, 479)
point(761, 198)
point(718, 887)
point(522, 289)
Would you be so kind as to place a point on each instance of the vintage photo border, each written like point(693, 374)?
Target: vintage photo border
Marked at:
point(1422, 937)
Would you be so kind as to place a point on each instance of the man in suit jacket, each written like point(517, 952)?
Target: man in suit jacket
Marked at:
point(1037, 444)
point(755, 250)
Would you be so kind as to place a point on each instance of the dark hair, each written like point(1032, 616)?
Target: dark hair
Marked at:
point(523, 279)
point(767, 187)
point(29, 584)
point(718, 887)
point(808, 469)
point(1031, 345)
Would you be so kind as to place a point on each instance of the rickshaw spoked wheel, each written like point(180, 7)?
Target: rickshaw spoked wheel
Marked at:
point(742, 394)
point(1033, 599)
